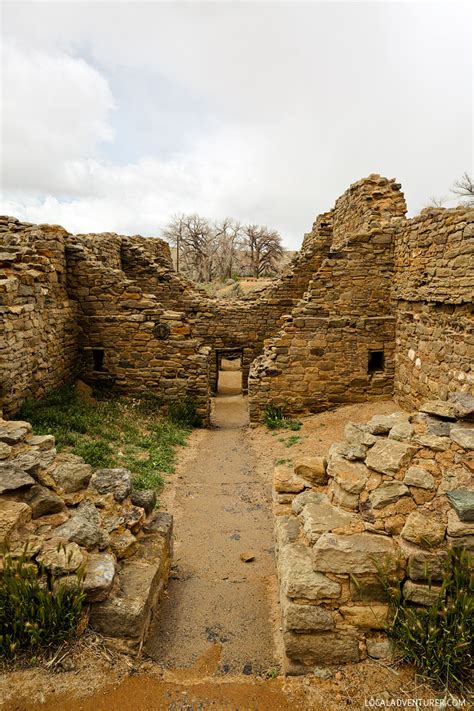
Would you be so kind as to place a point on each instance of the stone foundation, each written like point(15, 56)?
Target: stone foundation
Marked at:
point(393, 496)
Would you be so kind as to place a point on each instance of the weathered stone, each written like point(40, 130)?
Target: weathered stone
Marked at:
point(5, 450)
point(424, 565)
point(367, 616)
point(113, 481)
point(287, 530)
point(351, 476)
point(463, 435)
point(382, 424)
point(421, 594)
point(456, 527)
point(13, 478)
point(84, 528)
point(43, 443)
point(402, 431)
point(465, 542)
point(127, 610)
point(417, 476)
point(463, 404)
point(124, 545)
point(462, 500)
point(13, 515)
point(42, 501)
point(286, 482)
point(14, 431)
point(424, 531)
point(367, 588)
point(145, 499)
point(313, 469)
point(60, 558)
point(305, 618)
point(321, 518)
point(440, 408)
point(380, 648)
point(388, 493)
point(321, 648)
point(344, 498)
point(134, 518)
point(388, 456)
point(356, 434)
point(99, 576)
point(435, 426)
point(298, 579)
point(308, 497)
point(360, 553)
point(431, 441)
point(71, 473)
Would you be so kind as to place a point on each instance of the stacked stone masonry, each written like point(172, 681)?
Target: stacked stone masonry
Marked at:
point(374, 304)
point(394, 496)
point(66, 517)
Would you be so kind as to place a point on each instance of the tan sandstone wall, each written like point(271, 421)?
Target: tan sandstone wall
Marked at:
point(322, 356)
point(434, 288)
point(38, 327)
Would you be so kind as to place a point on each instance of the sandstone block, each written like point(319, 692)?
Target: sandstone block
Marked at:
point(440, 408)
point(351, 476)
point(388, 493)
point(321, 648)
point(382, 424)
point(463, 435)
point(380, 648)
point(287, 529)
point(298, 579)
point(457, 528)
point(71, 473)
point(60, 558)
point(424, 531)
point(388, 456)
point(421, 594)
point(305, 618)
point(42, 501)
point(321, 518)
point(417, 476)
point(425, 565)
point(313, 469)
point(366, 616)
point(99, 576)
point(117, 482)
point(124, 545)
point(463, 404)
point(343, 498)
point(13, 515)
point(307, 497)
point(360, 553)
point(286, 482)
point(462, 500)
point(13, 478)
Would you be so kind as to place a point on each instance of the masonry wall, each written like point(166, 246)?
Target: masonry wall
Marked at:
point(434, 288)
point(38, 322)
point(337, 345)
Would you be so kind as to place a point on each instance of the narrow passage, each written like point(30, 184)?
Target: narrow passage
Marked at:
point(218, 607)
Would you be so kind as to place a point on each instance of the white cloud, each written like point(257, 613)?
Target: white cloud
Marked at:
point(55, 111)
point(281, 106)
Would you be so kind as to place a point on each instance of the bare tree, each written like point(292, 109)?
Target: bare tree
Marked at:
point(464, 188)
point(228, 236)
point(264, 249)
point(191, 234)
point(436, 201)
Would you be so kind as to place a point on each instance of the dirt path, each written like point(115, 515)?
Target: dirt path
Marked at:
point(215, 600)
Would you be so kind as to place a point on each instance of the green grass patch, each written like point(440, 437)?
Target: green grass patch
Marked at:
point(293, 439)
point(37, 612)
point(438, 639)
point(115, 431)
point(275, 419)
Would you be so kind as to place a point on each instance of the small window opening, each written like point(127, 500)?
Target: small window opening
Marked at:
point(98, 356)
point(376, 362)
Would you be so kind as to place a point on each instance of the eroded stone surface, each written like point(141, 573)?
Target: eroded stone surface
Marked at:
point(117, 482)
point(359, 553)
point(12, 478)
point(299, 580)
point(388, 456)
point(313, 469)
point(388, 493)
point(425, 531)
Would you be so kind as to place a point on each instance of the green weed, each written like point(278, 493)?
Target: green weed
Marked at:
point(36, 611)
point(438, 639)
point(275, 419)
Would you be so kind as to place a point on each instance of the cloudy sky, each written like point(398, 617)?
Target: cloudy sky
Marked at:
point(115, 115)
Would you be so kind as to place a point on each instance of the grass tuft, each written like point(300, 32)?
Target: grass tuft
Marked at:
point(275, 419)
point(115, 431)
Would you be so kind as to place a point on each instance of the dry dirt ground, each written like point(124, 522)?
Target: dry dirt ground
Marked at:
point(215, 644)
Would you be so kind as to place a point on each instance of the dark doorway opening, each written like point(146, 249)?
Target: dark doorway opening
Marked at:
point(98, 356)
point(376, 363)
point(229, 371)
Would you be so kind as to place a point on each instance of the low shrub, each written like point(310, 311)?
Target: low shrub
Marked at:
point(438, 639)
point(37, 612)
point(184, 413)
point(275, 419)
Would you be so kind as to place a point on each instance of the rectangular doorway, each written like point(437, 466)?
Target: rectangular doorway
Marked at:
point(229, 371)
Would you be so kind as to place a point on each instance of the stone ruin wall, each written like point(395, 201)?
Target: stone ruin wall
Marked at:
point(38, 321)
point(402, 288)
point(394, 496)
point(433, 289)
point(366, 281)
point(321, 356)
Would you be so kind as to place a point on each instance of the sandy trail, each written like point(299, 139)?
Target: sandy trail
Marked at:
point(215, 600)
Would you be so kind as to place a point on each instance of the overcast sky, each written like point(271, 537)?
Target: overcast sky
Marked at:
point(115, 115)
